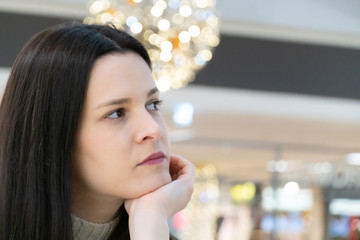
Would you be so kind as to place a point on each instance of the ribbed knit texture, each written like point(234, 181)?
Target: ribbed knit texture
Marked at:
point(84, 230)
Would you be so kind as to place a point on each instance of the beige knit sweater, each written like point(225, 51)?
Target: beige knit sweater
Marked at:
point(84, 230)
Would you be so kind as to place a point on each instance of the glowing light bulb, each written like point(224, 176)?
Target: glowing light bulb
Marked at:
point(165, 56)
point(206, 55)
point(179, 34)
point(184, 37)
point(96, 7)
point(202, 3)
point(154, 39)
point(185, 11)
point(194, 31)
point(156, 11)
point(105, 18)
point(199, 60)
point(163, 84)
point(161, 3)
point(131, 20)
point(212, 20)
point(136, 27)
point(164, 25)
point(213, 41)
point(166, 46)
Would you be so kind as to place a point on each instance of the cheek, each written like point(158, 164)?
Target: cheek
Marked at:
point(104, 142)
point(98, 160)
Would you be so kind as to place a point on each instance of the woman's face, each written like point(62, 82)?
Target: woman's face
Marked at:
point(120, 127)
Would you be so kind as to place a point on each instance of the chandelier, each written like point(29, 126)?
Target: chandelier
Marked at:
point(179, 34)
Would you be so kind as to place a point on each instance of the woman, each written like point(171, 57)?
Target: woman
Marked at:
point(84, 152)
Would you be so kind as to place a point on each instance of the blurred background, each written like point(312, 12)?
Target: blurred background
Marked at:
point(269, 113)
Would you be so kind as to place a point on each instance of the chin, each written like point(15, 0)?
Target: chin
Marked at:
point(160, 181)
point(150, 185)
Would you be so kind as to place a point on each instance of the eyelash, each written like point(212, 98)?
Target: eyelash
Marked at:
point(121, 111)
point(157, 104)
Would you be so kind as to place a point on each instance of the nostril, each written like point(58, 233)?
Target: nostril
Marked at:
point(147, 138)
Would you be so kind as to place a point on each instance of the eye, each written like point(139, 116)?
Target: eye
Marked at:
point(154, 106)
point(116, 114)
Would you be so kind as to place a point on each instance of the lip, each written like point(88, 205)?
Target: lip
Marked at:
point(153, 159)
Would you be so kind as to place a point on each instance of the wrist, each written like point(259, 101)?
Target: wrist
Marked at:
point(148, 207)
point(145, 223)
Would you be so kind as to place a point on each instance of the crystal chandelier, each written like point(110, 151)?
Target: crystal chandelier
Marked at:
point(179, 34)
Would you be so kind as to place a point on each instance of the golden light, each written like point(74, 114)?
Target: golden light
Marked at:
point(180, 35)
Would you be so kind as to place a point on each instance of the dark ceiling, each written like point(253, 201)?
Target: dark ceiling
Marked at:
point(238, 62)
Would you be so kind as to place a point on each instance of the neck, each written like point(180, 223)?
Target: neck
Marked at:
point(95, 209)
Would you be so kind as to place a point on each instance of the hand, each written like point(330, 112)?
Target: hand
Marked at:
point(173, 196)
point(153, 209)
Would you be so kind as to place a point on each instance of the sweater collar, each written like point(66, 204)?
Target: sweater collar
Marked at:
point(84, 230)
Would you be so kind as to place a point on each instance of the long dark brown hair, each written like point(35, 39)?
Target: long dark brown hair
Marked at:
point(39, 118)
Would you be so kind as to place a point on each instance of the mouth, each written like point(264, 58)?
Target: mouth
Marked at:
point(153, 159)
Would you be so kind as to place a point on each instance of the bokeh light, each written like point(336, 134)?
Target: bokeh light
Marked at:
point(180, 35)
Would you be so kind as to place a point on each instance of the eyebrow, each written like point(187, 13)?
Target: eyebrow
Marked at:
point(124, 100)
point(153, 91)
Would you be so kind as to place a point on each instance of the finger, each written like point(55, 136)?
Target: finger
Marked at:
point(181, 167)
point(177, 164)
point(183, 164)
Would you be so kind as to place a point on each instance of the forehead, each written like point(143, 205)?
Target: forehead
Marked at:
point(119, 75)
point(118, 61)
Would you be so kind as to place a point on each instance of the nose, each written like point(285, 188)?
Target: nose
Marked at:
point(147, 128)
